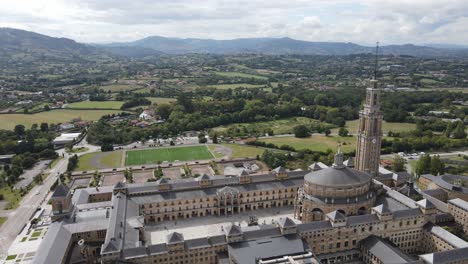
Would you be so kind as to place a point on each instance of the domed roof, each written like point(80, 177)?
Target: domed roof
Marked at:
point(337, 176)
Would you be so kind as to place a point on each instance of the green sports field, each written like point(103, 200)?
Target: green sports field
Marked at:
point(152, 156)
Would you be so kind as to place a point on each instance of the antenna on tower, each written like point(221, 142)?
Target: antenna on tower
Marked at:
point(376, 59)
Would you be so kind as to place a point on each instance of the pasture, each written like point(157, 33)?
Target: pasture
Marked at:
point(241, 75)
point(315, 142)
point(170, 154)
point(160, 100)
point(9, 121)
point(352, 126)
point(96, 105)
point(281, 126)
point(235, 85)
point(115, 88)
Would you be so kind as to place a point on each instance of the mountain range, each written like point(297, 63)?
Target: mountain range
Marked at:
point(14, 41)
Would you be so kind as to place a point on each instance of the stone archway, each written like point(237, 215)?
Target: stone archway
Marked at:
point(342, 211)
point(362, 210)
point(317, 214)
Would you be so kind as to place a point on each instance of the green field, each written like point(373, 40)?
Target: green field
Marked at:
point(239, 151)
point(151, 156)
point(241, 75)
point(281, 126)
point(352, 126)
point(12, 196)
point(452, 90)
point(100, 160)
point(119, 87)
point(96, 105)
point(315, 142)
point(236, 85)
point(9, 121)
point(160, 100)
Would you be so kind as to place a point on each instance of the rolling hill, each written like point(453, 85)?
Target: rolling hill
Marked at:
point(280, 46)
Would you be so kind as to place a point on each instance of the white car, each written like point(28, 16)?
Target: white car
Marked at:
point(38, 192)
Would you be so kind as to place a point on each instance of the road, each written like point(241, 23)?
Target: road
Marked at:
point(18, 218)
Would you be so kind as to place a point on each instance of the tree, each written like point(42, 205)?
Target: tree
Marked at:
point(398, 163)
point(215, 139)
point(437, 166)
point(46, 107)
point(201, 138)
point(164, 111)
point(186, 102)
point(327, 131)
point(448, 129)
point(459, 131)
point(96, 178)
point(44, 127)
point(128, 174)
point(301, 131)
point(19, 130)
point(72, 163)
point(423, 165)
point(343, 132)
point(69, 147)
point(107, 147)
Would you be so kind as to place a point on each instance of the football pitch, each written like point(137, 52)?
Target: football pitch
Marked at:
point(152, 156)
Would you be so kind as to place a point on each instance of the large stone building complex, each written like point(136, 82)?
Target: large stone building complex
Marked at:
point(337, 214)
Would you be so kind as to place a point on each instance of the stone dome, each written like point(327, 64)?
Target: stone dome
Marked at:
point(337, 176)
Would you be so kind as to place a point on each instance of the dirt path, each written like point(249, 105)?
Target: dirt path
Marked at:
point(220, 149)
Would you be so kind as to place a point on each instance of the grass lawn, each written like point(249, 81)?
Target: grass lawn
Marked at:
point(55, 161)
point(236, 85)
point(241, 75)
point(9, 121)
point(24, 239)
point(96, 105)
point(11, 257)
point(36, 234)
point(100, 160)
point(79, 150)
point(215, 154)
point(352, 126)
point(148, 156)
point(3, 220)
point(315, 142)
point(240, 151)
point(13, 197)
point(161, 100)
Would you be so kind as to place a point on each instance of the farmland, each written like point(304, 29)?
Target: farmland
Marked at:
point(241, 75)
point(119, 87)
point(9, 121)
point(161, 100)
point(96, 105)
point(235, 85)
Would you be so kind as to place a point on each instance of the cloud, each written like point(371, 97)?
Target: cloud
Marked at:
point(364, 21)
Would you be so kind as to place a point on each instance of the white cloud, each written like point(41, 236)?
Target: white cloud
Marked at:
point(364, 21)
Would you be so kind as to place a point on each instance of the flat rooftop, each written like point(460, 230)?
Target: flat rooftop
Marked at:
point(199, 227)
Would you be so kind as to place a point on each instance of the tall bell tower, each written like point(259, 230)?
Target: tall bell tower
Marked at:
point(369, 138)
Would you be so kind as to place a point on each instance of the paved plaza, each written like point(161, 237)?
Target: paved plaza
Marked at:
point(212, 225)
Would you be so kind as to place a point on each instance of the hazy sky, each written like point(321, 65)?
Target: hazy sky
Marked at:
point(364, 21)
